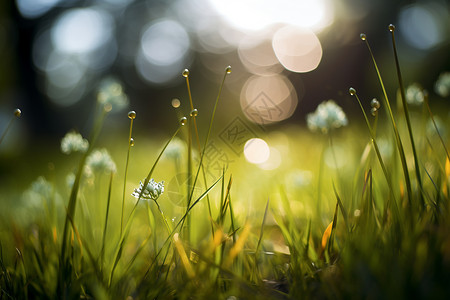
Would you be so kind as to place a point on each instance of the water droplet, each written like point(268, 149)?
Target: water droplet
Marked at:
point(183, 121)
point(391, 27)
point(375, 103)
point(131, 142)
point(228, 70)
point(185, 73)
point(17, 112)
point(352, 91)
point(374, 111)
point(194, 112)
point(363, 36)
point(132, 115)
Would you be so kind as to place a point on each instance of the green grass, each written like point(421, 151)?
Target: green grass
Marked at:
point(372, 221)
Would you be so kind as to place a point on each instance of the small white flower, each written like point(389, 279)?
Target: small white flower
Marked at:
point(73, 142)
point(175, 149)
point(100, 160)
point(40, 193)
point(414, 94)
point(442, 85)
point(152, 191)
point(111, 93)
point(328, 115)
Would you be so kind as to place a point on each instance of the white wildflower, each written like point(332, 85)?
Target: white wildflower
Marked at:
point(175, 149)
point(110, 93)
point(414, 94)
point(152, 191)
point(100, 161)
point(328, 115)
point(442, 85)
point(73, 142)
point(41, 193)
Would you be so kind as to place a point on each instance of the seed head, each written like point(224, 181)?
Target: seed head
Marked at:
point(183, 121)
point(391, 27)
point(185, 73)
point(362, 36)
point(228, 70)
point(352, 91)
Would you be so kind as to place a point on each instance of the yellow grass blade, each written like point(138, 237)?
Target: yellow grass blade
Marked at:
point(326, 235)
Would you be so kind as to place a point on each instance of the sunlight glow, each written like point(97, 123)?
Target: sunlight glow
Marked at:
point(256, 151)
point(253, 15)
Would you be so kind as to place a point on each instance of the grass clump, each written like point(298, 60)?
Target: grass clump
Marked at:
point(381, 232)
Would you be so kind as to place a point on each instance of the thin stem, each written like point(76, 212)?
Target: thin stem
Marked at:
point(102, 252)
point(227, 71)
point(394, 125)
point(380, 159)
point(408, 121)
point(126, 173)
point(434, 123)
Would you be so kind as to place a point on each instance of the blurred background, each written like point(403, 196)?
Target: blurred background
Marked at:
point(286, 58)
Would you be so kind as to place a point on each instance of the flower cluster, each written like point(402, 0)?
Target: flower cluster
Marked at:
point(328, 115)
point(73, 142)
point(100, 161)
point(151, 191)
point(175, 149)
point(414, 94)
point(111, 95)
point(442, 86)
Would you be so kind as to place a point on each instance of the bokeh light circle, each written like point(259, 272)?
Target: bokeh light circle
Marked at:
point(82, 30)
point(298, 50)
point(258, 57)
point(422, 26)
point(164, 42)
point(256, 151)
point(164, 51)
point(268, 99)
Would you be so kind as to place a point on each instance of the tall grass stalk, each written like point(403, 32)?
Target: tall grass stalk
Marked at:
point(390, 203)
point(131, 116)
point(124, 234)
point(394, 125)
point(200, 166)
point(408, 121)
point(70, 213)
